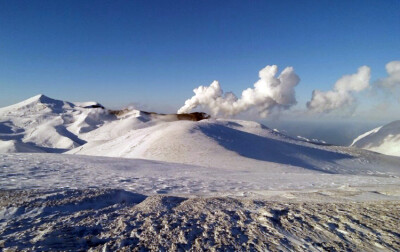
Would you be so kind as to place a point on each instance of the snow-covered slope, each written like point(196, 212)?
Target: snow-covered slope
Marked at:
point(58, 126)
point(232, 144)
point(44, 124)
point(385, 139)
point(12, 146)
point(50, 171)
point(49, 125)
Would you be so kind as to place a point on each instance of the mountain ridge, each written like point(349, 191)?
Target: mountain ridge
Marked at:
point(384, 139)
point(51, 125)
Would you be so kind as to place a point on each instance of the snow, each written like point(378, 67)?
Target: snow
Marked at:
point(223, 149)
point(49, 171)
point(232, 144)
point(164, 154)
point(11, 146)
point(134, 180)
point(48, 124)
point(117, 220)
point(314, 140)
point(384, 139)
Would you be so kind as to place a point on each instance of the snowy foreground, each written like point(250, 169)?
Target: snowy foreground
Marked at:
point(72, 202)
point(131, 180)
point(109, 219)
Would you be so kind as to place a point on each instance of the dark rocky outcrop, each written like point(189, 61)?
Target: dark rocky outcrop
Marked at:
point(195, 116)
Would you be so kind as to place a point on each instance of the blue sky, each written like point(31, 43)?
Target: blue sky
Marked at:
point(155, 52)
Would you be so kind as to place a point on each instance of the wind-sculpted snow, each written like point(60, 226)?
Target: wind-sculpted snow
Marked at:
point(116, 220)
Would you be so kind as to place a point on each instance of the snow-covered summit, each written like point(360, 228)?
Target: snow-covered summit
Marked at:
point(50, 125)
point(384, 139)
point(37, 103)
point(41, 102)
point(47, 124)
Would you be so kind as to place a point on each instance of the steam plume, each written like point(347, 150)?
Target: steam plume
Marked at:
point(393, 79)
point(342, 94)
point(269, 93)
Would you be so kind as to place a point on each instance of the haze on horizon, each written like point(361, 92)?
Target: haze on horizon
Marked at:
point(279, 62)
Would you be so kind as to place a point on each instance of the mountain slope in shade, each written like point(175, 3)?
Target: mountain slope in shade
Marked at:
point(384, 139)
point(13, 146)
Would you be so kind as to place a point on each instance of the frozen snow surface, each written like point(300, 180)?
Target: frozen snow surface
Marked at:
point(76, 176)
point(384, 139)
point(49, 171)
point(117, 220)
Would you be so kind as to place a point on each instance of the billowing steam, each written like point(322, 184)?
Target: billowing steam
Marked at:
point(393, 79)
point(342, 94)
point(269, 93)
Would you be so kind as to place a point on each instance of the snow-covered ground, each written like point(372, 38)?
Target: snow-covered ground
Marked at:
point(384, 139)
point(49, 171)
point(117, 220)
point(71, 162)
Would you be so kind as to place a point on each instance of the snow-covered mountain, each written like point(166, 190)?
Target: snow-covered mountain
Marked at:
point(49, 125)
point(42, 124)
point(384, 139)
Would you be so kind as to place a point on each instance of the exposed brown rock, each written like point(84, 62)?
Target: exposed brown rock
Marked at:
point(118, 112)
point(195, 116)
